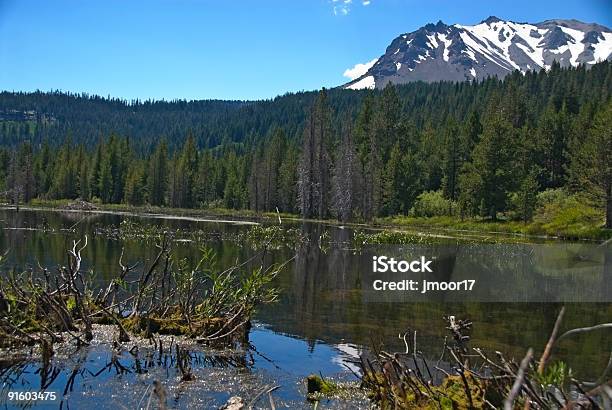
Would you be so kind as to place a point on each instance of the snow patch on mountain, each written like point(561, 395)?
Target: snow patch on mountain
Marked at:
point(574, 46)
point(364, 83)
point(447, 43)
point(602, 48)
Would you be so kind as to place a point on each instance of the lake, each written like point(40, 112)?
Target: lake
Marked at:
point(322, 322)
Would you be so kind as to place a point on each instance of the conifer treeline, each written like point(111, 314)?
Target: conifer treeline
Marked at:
point(57, 117)
point(480, 145)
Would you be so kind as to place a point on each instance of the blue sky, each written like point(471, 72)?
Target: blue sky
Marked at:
point(227, 49)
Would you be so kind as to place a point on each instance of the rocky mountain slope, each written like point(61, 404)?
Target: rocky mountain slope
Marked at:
point(494, 47)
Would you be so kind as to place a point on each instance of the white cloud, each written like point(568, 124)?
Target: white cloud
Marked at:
point(341, 10)
point(359, 69)
point(342, 7)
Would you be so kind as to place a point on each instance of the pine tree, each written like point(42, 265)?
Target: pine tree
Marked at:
point(157, 176)
point(94, 174)
point(84, 180)
point(121, 157)
point(4, 168)
point(183, 175)
point(453, 160)
point(526, 197)
point(27, 172)
point(234, 194)
point(346, 177)
point(256, 185)
point(288, 180)
point(492, 175)
point(135, 184)
point(370, 159)
point(393, 183)
point(273, 157)
point(470, 135)
point(205, 190)
point(429, 153)
point(42, 163)
point(470, 190)
point(591, 167)
point(13, 181)
point(314, 181)
point(65, 179)
point(105, 182)
point(387, 120)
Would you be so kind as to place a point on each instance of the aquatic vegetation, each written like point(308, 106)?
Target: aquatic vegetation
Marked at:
point(319, 388)
point(273, 236)
point(133, 229)
point(398, 237)
point(471, 379)
point(167, 296)
point(317, 384)
point(455, 392)
point(388, 237)
point(257, 237)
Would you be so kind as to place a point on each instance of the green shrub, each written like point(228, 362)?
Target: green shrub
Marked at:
point(568, 215)
point(552, 196)
point(433, 203)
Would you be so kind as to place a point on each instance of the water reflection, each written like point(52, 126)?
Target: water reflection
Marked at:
point(322, 303)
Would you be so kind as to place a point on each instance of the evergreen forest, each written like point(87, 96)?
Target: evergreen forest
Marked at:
point(492, 149)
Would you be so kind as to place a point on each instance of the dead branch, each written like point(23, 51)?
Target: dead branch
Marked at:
point(518, 383)
point(551, 342)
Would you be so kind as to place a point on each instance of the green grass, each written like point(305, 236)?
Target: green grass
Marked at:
point(566, 224)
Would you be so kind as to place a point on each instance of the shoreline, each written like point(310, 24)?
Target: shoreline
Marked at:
point(448, 225)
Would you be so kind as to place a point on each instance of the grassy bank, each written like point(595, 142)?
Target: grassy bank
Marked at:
point(574, 229)
point(552, 213)
point(574, 221)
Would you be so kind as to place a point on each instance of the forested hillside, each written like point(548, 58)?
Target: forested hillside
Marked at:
point(484, 149)
point(54, 117)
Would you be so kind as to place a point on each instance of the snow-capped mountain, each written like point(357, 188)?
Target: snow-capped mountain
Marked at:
point(440, 52)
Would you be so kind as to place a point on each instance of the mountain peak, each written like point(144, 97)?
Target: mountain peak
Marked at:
point(491, 20)
point(494, 47)
point(439, 26)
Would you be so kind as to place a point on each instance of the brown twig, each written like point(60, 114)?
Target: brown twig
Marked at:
point(551, 342)
point(518, 382)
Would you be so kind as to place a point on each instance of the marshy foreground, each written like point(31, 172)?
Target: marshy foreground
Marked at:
point(189, 319)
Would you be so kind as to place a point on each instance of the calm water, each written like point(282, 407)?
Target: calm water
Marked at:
point(320, 324)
